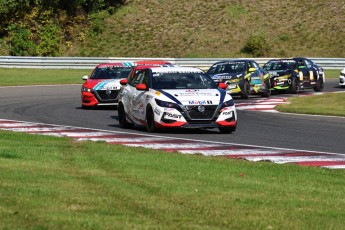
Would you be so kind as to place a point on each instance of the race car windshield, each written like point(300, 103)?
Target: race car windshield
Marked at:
point(280, 65)
point(111, 73)
point(231, 67)
point(182, 81)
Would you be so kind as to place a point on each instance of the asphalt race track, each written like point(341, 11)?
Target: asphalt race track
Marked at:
point(60, 105)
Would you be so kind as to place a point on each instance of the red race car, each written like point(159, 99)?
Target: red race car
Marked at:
point(101, 88)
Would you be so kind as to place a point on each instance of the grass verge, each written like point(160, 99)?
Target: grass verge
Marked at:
point(323, 104)
point(58, 183)
point(18, 76)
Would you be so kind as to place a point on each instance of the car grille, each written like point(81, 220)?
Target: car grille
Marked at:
point(106, 96)
point(195, 113)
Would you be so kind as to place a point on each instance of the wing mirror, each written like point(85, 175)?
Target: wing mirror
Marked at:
point(85, 78)
point(222, 85)
point(123, 82)
point(141, 87)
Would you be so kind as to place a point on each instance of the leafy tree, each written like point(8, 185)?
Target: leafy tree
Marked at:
point(39, 27)
point(21, 45)
point(257, 45)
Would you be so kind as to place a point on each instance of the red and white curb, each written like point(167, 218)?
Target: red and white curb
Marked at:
point(268, 104)
point(185, 146)
point(264, 105)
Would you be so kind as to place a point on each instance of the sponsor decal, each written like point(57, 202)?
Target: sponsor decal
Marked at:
point(172, 115)
point(158, 93)
point(226, 113)
point(104, 85)
point(200, 102)
point(157, 111)
point(195, 94)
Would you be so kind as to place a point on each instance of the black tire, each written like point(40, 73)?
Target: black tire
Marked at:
point(227, 130)
point(150, 123)
point(245, 90)
point(267, 92)
point(294, 86)
point(123, 123)
point(319, 84)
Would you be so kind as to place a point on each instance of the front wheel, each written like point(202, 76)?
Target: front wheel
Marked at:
point(319, 85)
point(294, 86)
point(123, 123)
point(267, 91)
point(245, 90)
point(150, 121)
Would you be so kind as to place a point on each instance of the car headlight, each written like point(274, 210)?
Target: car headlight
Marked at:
point(227, 104)
point(84, 89)
point(166, 104)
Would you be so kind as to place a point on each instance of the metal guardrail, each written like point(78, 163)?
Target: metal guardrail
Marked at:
point(91, 62)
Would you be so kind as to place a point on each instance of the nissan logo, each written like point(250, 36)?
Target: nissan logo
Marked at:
point(201, 108)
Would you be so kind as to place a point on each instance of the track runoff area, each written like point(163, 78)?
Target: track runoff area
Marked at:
point(184, 146)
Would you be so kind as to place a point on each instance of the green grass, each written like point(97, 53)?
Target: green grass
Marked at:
point(58, 183)
point(197, 28)
point(324, 104)
point(18, 76)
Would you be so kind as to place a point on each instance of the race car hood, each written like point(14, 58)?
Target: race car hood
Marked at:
point(197, 96)
point(278, 73)
point(226, 76)
point(99, 84)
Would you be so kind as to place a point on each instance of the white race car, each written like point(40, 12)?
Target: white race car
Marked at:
point(172, 97)
point(342, 78)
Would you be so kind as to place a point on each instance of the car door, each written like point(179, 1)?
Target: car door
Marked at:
point(127, 93)
point(138, 97)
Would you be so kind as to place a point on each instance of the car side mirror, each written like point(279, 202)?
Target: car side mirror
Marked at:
point(123, 82)
point(252, 70)
point(141, 87)
point(222, 85)
point(85, 77)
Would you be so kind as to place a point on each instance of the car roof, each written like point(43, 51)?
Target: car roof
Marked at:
point(281, 59)
point(176, 69)
point(152, 62)
point(115, 64)
point(234, 60)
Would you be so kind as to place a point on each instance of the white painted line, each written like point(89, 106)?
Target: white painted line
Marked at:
point(243, 151)
point(120, 140)
point(172, 146)
point(283, 160)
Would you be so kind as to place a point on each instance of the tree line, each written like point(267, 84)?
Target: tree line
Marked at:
point(46, 27)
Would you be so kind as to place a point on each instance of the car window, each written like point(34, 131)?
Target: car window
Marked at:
point(146, 77)
point(254, 65)
point(228, 67)
point(301, 63)
point(177, 80)
point(110, 73)
point(308, 63)
point(279, 65)
point(138, 78)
